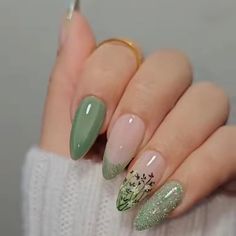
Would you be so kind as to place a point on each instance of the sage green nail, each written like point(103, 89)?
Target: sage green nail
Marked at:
point(86, 126)
point(159, 206)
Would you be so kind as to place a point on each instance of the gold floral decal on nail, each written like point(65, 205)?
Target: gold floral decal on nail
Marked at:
point(134, 188)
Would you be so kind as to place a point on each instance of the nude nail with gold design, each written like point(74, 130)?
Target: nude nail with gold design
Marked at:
point(140, 180)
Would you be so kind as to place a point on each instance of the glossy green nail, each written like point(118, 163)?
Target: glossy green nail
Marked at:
point(86, 126)
point(159, 206)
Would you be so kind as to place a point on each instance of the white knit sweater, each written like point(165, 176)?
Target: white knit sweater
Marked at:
point(67, 198)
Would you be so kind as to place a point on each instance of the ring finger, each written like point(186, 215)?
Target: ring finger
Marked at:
point(199, 112)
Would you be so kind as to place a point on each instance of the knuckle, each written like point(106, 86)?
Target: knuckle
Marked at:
point(170, 56)
point(225, 136)
point(222, 142)
point(214, 93)
point(188, 140)
point(102, 71)
point(115, 55)
point(221, 146)
point(173, 61)
point(103, 63)
point(97, 69)
point(211, 88)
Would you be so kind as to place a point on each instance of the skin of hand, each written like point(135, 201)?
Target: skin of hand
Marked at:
point(170, 134)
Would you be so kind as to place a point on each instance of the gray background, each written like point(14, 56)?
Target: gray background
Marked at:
point(204, 29)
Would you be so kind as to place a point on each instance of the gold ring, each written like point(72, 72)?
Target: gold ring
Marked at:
point(130, 44)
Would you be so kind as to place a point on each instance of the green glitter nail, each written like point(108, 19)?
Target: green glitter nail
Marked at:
point(159, 206)
point(111, 170)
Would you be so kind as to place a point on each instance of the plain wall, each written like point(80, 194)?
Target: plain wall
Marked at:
point(204, 29)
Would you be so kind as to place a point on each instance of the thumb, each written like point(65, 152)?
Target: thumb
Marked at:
point(73, 8)
point(76, 44)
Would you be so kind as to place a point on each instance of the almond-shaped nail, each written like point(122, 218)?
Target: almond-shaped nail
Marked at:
point(159, 206)
point(74, 6)
point(125, 137)
point(64, 31)
point(86, 126)
point(140, 181)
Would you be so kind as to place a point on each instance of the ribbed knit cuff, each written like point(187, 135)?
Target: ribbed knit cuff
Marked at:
point(62, 197)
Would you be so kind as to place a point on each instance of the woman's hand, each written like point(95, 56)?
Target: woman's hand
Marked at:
point(172, 132)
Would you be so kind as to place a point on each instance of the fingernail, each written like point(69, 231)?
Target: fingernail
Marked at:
point(74, 6)
point(159, 206)
point(86, 126)
point(140, 181)
point(125, 137)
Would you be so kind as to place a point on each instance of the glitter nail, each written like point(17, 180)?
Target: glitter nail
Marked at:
point(159, 206)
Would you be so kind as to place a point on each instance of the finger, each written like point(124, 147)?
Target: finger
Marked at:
point(211, 165)
point(150, 95)
point(199, 112)
point(100, 86)
point(56, 122)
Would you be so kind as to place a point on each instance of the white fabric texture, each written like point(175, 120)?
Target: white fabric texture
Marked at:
point(66, 198)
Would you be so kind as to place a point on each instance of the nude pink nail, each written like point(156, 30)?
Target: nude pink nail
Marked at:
point(125, 138)
point(141, 179)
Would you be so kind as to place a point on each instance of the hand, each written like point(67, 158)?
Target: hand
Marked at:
point(172, 132)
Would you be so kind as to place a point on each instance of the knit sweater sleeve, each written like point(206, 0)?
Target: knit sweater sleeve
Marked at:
point(66, 198)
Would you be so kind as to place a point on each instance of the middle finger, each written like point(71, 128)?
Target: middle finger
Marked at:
point(150, 95)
